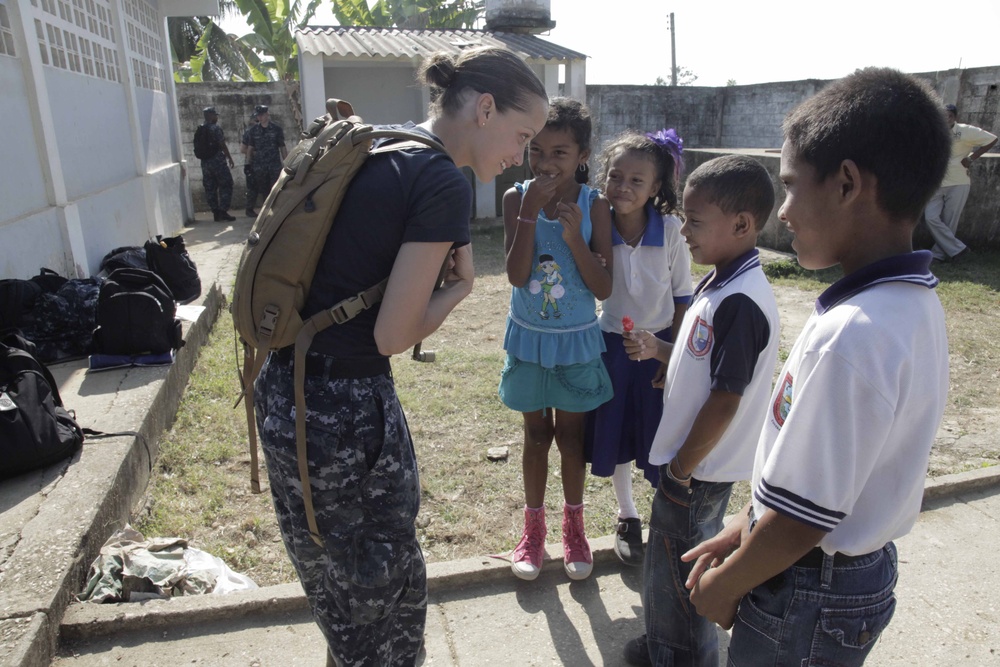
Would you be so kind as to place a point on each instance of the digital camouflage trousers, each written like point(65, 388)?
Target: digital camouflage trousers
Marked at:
point(367, 585)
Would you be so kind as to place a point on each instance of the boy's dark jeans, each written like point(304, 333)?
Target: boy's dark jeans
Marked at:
point(826, 615)
point(682, 518)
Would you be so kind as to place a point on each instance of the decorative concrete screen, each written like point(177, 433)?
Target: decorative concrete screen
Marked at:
point(144, 44)
point(79, 36)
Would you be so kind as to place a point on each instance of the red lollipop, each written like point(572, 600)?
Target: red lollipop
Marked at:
point(627, 324)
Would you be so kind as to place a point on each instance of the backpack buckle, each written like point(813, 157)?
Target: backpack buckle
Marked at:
point(269, 320)
point(346, 310)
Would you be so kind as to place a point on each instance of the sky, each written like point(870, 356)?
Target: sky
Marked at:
point(628, 41)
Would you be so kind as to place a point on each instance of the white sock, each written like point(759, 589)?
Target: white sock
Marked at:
point(621, 480)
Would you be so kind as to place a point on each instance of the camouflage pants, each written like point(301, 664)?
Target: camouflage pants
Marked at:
point(218, 182)
point(251, 188)
point(265, 176)
point(367, 586)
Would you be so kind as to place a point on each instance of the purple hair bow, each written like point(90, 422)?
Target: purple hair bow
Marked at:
point(668, 139)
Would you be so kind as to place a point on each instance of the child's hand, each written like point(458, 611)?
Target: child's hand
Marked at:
point(539, 193)
point(640, 345)
point(600, 260)
point(571, 218)
point(660, 377)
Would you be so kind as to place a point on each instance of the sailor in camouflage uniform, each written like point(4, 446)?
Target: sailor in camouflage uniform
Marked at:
point(265, 150)
point(405, 214)
point(215, 174)
point(248, 169)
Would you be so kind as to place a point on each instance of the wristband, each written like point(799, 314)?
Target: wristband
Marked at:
point(671, 475)
point(527, 221)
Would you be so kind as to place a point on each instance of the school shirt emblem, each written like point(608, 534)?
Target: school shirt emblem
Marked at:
point(700, 338)
point(783, 401)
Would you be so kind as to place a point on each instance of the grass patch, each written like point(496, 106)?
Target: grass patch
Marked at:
point(471, 506)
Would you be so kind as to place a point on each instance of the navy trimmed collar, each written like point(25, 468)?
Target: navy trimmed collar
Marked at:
point(911, 267)
point(744, 262)
point(651, 236)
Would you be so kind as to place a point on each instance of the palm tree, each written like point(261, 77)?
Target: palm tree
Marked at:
point(202, 51)
point(274, 23)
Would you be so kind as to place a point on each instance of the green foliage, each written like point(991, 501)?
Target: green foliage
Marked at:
point(790, 271)
point(685, 77)
point(410, 14)
point(273, 23)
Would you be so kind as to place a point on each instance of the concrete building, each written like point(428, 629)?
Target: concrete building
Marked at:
point(375, 69)
point(92, 149)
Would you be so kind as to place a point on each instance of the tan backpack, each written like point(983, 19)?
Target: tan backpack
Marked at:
point(281, 254)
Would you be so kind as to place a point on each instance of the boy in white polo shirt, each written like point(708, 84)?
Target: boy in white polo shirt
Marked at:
point(806, 574)
point(717, 384)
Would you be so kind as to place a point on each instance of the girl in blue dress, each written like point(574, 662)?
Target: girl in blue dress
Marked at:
point(553, 225)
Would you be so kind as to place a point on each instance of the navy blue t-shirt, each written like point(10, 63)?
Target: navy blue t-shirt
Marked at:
point(409, 195)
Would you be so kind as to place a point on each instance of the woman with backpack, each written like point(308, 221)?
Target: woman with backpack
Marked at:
point(406, 215)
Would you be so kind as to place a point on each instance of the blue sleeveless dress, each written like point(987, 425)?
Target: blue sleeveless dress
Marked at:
point(552, 325)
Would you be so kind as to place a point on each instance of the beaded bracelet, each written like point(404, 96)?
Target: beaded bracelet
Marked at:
point(527, 221)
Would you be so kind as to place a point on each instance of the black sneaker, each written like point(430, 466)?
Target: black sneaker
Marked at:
point(251, 213)
point(225, 217)
point(637, 652)
point(962, 256)
point(628, 541)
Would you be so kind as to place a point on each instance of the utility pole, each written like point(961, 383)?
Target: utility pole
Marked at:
point(673, 52)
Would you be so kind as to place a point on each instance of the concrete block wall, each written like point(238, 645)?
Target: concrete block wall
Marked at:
point(235, 102)
point(749, 117)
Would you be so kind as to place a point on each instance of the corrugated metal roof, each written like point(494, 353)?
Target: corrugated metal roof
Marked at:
point(395, 43)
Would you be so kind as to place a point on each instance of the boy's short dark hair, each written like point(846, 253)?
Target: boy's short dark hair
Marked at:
point(890, 124)
point(736, 183)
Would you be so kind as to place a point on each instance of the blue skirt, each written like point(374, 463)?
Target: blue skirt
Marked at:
point(622, 429)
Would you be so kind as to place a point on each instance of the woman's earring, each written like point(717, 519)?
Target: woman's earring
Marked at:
point(583, 167)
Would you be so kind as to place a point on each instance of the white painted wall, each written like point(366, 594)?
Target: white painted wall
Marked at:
point(380, 92)
point(90, 163)
point(91, 131)
point(22, 189)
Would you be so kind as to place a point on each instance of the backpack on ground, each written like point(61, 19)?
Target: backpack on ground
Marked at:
point(17, 300)
point(35, 429)
point(205, 145)
point(126, 256)
point(61, 321)
point(136, 315)
point(169, 259)
point(280, 257)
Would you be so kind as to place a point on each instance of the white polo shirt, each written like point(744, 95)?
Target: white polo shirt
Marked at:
point(650, 278)
point(845, 443)
point(727, 342)
point(964, 140)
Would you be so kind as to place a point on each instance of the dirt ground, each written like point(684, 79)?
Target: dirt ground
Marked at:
point(473, 506)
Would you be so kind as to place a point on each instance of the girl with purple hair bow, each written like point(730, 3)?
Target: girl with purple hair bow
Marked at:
point(652, 287)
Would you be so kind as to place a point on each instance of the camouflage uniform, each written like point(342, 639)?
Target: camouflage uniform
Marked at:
point(267, 143)
point(248, 172)
point(367, 586)
point(216, 177)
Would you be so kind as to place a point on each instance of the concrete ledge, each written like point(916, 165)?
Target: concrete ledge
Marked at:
point(92, 495)
point(90, 620)
point(948, 486)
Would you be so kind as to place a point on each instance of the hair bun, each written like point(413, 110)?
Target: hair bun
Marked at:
point(441, 70)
